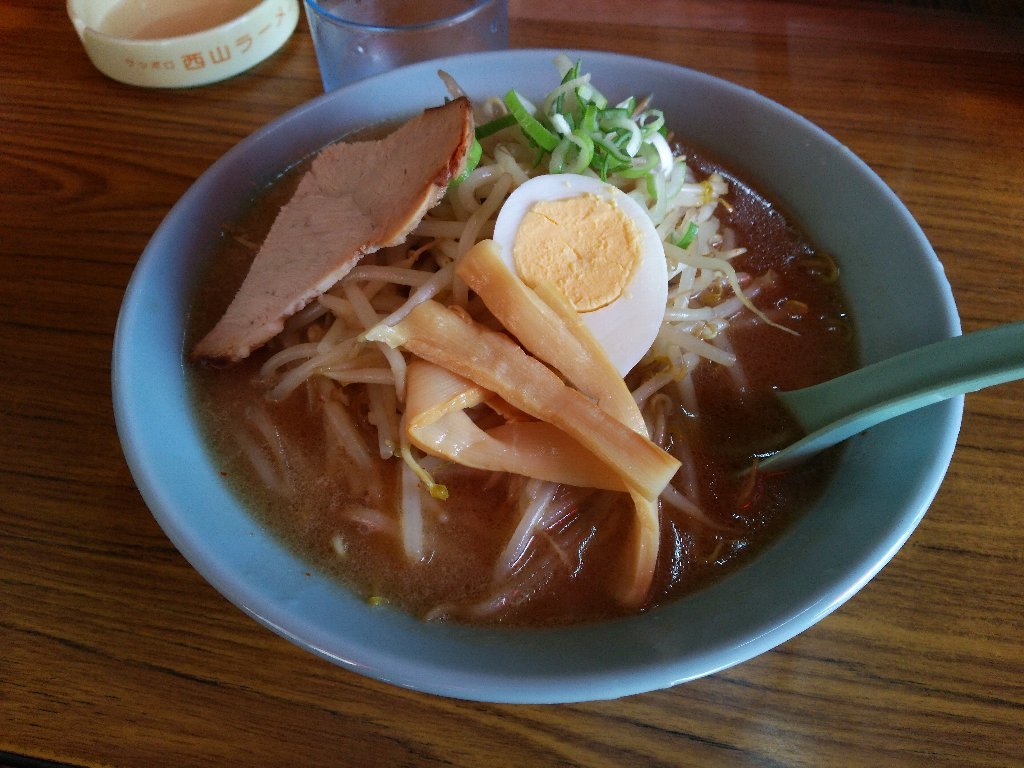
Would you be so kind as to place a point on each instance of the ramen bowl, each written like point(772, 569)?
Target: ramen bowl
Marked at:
point(884, 480)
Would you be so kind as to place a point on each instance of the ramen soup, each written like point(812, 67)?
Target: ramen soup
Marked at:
point(328, 451)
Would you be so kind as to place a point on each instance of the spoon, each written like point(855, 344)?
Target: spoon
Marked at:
point(842, 407)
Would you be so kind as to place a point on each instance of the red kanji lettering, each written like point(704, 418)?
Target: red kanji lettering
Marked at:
point(220, 54)
point(193, 61)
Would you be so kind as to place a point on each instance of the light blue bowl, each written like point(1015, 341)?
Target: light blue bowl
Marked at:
point(886, 479)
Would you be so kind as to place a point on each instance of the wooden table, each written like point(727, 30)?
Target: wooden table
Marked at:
point(113, 651)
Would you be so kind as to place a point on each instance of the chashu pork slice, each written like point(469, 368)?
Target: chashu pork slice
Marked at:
point(356, 198)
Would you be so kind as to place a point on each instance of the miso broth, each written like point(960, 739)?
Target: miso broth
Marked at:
point(567, 577)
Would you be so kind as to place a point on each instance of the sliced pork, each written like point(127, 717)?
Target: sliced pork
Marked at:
point(356, 198)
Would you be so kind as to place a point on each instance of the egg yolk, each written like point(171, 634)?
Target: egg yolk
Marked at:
point(585, 245)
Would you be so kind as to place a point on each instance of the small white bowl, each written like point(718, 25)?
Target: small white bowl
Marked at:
point(187, 42)
point(885, 479)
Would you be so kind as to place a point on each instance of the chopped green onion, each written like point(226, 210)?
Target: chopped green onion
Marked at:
point(665, 160)
point(573, 154)
point(628, 104)
point(588, 94)
point(495, 125)
point(472, 161)
point(688, 236)
point(561, 124)
point(646, 162)
point(559, 102)
point(575, 128)
point(651, 122)
point(606, 117)
point(531, 126)
point(563, 64)
point(654, 189)
point(611, 148)
point(636, 139)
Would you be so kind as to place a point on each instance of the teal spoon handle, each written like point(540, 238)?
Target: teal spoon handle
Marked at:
point(840, 408)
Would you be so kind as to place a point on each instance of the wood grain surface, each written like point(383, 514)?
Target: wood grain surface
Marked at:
point(113, 651)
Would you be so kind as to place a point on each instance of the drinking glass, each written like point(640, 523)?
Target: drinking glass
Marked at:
point(358, 38)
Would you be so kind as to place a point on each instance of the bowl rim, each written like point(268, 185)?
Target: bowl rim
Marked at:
point(608, 660)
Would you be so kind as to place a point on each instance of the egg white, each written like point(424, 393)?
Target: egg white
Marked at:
point(626, 327)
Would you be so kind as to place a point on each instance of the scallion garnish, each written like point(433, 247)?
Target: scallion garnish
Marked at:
point(576, 129)
point(688, 236)
point(495, 125)
point(531, 126)
point(573, 154)
point(472, 161)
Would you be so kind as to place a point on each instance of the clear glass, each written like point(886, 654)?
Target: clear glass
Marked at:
point(358, 38)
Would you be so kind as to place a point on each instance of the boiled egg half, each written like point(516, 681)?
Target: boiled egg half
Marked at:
point(599, 247)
